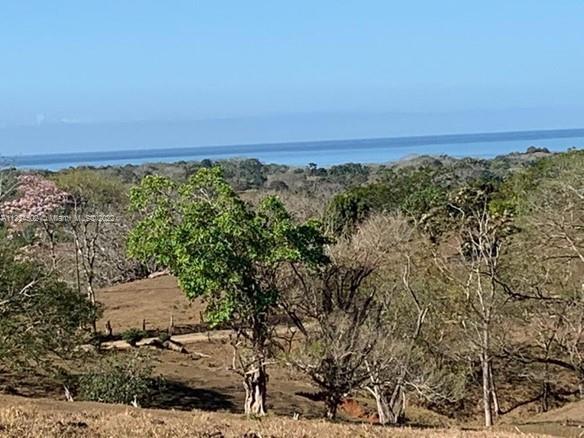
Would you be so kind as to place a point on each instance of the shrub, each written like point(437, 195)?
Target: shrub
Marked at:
point(133, 335)
point(40, 316)
point(164, 336)
point(120, 378)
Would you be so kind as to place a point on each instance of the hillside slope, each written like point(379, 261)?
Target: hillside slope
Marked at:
point(155, 300)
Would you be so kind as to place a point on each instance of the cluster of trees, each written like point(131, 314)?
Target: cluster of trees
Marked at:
point(435, 282)
point(504, 273)
point(427, 284)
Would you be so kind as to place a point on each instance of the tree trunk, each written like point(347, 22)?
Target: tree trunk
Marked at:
point(486, 372)
point(389, 410)
point(494, 396)
point(52, 245)
point(255, 391)
point(545, 396)
point(384, 413)
point(91, 299)
point(487, 405)
point(397, 404)
point(77, 272)
point(332, 402)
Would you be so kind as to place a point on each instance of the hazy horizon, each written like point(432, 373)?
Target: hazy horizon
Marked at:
point(51, 137)
point(137, 75)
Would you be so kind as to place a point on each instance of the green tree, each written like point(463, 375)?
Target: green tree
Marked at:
point(40, 317)
point(419, 193)
point(221, 249)
point(244, 174)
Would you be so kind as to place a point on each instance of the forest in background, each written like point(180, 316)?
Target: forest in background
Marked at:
point(450, 283)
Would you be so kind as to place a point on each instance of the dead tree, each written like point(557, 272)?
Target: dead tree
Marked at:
point(473, 270)
point(400, 252)
point(555, 228)
point(338, 312)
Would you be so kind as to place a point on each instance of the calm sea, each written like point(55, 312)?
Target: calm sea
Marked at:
point(325, 153)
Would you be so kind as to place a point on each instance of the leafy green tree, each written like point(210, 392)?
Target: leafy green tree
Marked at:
point(416, 192)
point(40, 317)
point(244, 174)
point(349, 174)
point(346, 210)
point(221, 249)
point(518, 190)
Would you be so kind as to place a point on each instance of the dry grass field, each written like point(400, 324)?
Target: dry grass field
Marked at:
point(48, 418)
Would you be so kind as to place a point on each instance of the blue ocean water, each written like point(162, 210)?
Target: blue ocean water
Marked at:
point(325, 153)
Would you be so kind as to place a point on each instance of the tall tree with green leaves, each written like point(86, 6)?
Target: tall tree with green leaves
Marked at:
point(231, 255)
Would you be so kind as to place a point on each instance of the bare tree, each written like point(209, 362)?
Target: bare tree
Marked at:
point(337, 311)
point(392, 362)
point(363, 320)
point(97, 227)
point(395, 247)
point(402, 362)
point(555, 228)
point(472, 264)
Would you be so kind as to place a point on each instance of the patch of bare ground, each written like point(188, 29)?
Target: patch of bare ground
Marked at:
point(154, 300)
point(21, 417)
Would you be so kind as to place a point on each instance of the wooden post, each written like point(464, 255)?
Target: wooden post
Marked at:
point(171, 325)
point(108, 328)
point(143, 325)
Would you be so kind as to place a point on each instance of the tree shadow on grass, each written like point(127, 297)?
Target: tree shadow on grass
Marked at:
point(30, 385)
point(177, 395)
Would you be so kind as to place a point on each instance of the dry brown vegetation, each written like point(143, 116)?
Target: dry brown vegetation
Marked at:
point(48, 418)
point(201, 380)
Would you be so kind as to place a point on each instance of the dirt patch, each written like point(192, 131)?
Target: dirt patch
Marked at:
point(154, 300)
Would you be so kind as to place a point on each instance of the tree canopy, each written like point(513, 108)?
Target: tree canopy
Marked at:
point(216, 245)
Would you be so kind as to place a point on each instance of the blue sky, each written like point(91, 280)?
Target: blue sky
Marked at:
point(246, 71)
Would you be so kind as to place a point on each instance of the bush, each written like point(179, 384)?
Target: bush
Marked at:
point(164, 336)
point(120, 378)
point(133, 335)
point(40, 316)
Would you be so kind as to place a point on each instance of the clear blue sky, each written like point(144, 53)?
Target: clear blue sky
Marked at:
point(396, 67)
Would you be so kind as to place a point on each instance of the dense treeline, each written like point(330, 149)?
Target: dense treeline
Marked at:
point(434, 279)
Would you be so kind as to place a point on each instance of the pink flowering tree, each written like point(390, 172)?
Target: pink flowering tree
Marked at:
point(36, 200)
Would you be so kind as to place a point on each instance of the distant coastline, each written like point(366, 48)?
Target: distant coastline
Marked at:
point(327, 152)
